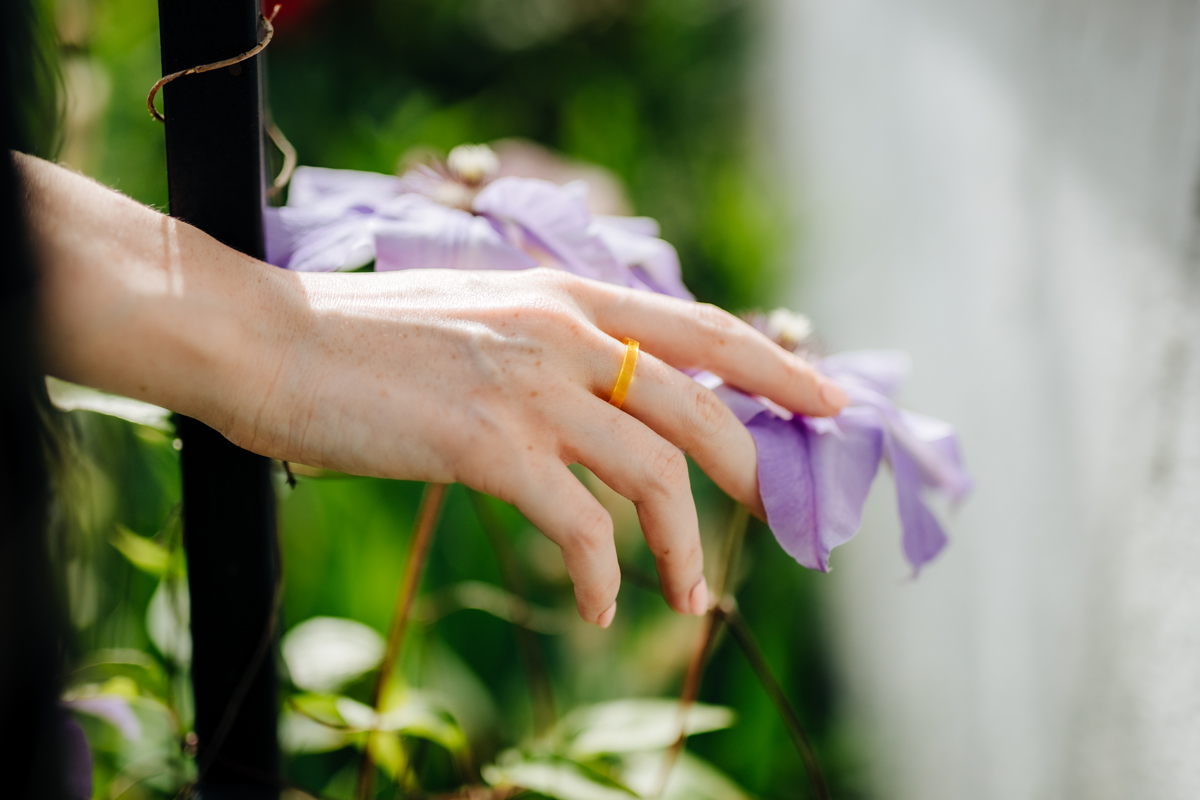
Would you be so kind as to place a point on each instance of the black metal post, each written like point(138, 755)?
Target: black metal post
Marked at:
point(215, 169)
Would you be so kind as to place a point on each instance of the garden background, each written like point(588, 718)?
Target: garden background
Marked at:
point(658, 92)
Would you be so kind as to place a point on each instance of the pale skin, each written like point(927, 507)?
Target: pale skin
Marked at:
point(497, 380)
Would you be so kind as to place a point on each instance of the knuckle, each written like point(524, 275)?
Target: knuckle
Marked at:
point(591, 531)
point(716, 320)
point(561, 281)
point(706, 416)
point(669, 469)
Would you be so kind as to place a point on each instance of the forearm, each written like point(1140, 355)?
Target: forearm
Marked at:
point(136, 303)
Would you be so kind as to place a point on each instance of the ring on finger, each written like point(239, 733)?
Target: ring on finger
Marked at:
point(625, 376)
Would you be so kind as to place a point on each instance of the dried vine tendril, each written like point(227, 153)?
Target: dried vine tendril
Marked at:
point(268, 34)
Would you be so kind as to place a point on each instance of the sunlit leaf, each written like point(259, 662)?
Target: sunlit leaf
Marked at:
point(388, 753)
point(414, 714)
point(553, 777)
point(408, 712)
point(626, 726)
point(299, 733)
point(323, 654)
point(145, 554)
point(167, 619)
point(71, 397)
point(691, 778)
point(321, 707)
point(357, 715)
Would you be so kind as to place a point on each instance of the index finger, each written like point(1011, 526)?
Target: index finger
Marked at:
point(701, 336)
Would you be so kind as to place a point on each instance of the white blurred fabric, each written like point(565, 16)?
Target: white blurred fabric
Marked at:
point(1008, 190)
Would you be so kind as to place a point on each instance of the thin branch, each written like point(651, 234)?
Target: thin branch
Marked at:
point(738, 524)
point(691, 688)
point(268, 34)
point(541, 692)
point(727, 609)
point(414, 568)
point(734, 538)
point(289, 159)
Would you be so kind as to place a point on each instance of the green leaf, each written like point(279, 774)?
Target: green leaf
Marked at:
point(408, 712)
point(71, 397)
point(631, 725)
point(299, 733)
point(553, 777)
point(323, 654)
point(167, 620)
point(691, 778)
point(388, 753)
point(145, 554)
point(322, 708)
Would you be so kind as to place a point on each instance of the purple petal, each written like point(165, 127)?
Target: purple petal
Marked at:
point(814, 479)
point(845, 459)
point(316, 187)
point(327, 223)
point(815, 473)
point(77, 760)
point(557, 220)
point(924, 454)
point(318, 240)
point(635, 243)
point(421, 234)
point(785, 481)
point(924, 538)
point(112, 709)
point(942, 463)
point(881, 371)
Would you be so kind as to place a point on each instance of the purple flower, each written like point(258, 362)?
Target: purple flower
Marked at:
point(77, 760)
point(343, 220)
point(814, 473)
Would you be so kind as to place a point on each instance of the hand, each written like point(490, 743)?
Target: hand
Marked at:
point(497, 380)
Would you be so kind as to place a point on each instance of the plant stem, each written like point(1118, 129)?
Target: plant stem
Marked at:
point(734, 538)
point(414, 568)
point(733, 549)
point(541, 693)
point(758, 661)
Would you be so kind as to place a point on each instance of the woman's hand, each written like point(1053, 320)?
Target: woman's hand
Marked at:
point(497, 380)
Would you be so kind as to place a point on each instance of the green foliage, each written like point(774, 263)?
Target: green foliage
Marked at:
point(654, 91)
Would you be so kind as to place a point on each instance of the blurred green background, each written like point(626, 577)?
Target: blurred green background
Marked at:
point(655, 91)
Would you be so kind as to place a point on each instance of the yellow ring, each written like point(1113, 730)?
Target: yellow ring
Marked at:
point(625, 377)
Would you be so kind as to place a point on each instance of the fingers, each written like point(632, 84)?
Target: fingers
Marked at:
point(644, 467)
point(701, 336)
point(694, 419)
point(566, 512)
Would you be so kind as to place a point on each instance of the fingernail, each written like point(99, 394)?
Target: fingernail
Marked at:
point(834, 395)
point(698, 599)
point(607, 617)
